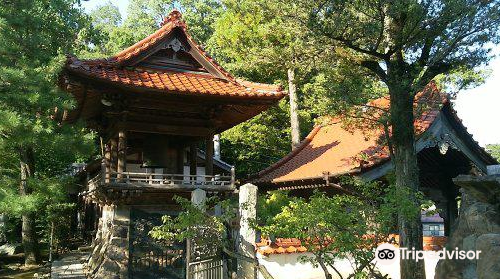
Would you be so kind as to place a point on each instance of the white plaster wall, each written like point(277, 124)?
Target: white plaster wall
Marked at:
point(288, 266)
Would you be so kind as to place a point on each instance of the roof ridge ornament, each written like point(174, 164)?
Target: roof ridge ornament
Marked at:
point(174, 16)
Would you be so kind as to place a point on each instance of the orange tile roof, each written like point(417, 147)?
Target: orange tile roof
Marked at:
point(115, 70)
point(336, 150)
point(174, 82)
point(294, 245)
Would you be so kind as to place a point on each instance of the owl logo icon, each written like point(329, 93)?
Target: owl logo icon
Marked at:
point(387, 254)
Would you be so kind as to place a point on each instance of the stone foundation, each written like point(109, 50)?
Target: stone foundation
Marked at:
point(110, 254)
point(477, 229)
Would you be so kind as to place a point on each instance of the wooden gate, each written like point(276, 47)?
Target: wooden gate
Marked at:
point(207, 269)
point(205, 261)
point(150, 258)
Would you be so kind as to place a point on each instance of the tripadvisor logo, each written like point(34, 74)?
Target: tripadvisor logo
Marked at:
point(388, 254)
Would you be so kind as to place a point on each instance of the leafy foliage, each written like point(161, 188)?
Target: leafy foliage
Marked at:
point(34, 36)
point(494, 150)
point(111, 33)
point(271, 204)
point(405, 45)
point(343, 226)
point(194, 223)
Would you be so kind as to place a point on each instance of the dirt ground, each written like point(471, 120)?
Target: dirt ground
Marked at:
point(19, 271)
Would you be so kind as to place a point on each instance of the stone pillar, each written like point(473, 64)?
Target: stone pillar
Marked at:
point(122, 153)
point(198, 198)
point(246, 238)
point(477, 229)
point(119, 251)
point(452, 213)
point(110, 256)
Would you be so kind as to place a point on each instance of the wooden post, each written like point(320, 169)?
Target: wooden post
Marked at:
point(103, 171)
point(114, 154)
point(209, 155)
point(107, 162)
point(192, 161)
point(122, 153)
point(217, 147)
point(180, 163)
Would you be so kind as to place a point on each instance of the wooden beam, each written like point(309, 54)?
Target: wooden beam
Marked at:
point(166, 129)
point(144, 187)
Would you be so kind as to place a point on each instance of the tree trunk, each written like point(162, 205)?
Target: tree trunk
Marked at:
point(406, 169)
point(29, 234)
point(325, 269)
point(294, 114)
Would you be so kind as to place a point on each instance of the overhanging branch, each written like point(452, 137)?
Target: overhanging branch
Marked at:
point(374, 66)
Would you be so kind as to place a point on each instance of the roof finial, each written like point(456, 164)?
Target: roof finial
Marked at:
point(174, 15)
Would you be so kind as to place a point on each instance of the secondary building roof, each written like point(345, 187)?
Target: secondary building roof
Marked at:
point(335, 149)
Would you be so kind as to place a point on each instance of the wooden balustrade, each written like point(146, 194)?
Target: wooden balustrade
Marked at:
point(159, 179)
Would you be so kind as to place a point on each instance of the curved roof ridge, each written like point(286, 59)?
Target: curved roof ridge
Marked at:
point(169, 23)
point(172, 21)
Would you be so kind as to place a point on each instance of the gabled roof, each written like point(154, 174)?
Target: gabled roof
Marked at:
point(335, 149)
point(124, 68)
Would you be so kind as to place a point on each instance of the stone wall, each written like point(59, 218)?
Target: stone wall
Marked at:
point(477, 229)
point(110, 254)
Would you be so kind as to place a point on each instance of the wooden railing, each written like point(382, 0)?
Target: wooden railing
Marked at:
point(159, 179)
point(170, 179)
point(94, 182)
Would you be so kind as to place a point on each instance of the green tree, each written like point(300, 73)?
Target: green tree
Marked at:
point(35, 149)
point(331, 227)
point(256, 41)
point(494, 150)
point(143, 18)
point(405, 44)
point(257, 142)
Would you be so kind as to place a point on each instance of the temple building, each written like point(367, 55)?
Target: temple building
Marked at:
point(156, 107)
point(445, 150)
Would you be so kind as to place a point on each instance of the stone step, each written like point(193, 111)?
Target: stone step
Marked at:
point(69, 266)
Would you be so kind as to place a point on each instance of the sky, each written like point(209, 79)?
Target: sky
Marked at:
point(479, 108)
